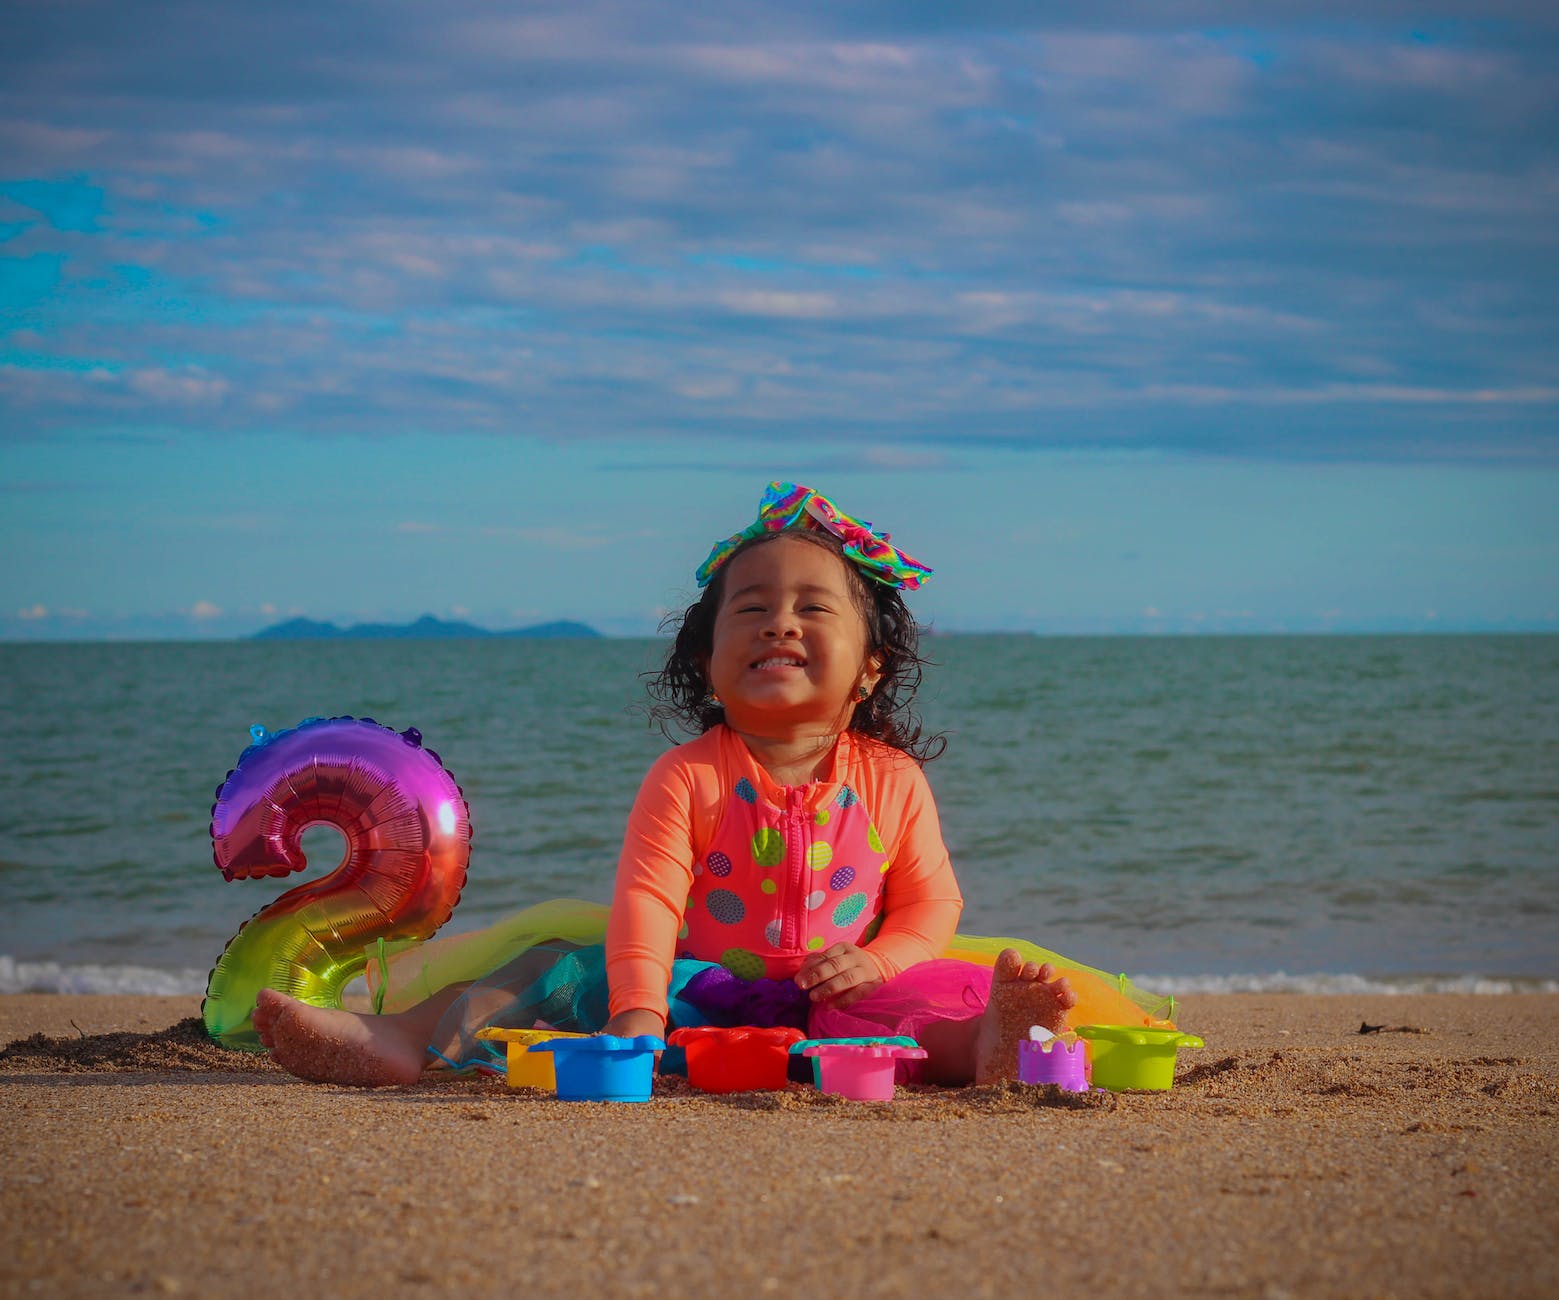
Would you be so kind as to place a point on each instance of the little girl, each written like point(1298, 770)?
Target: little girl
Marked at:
point(785, 867)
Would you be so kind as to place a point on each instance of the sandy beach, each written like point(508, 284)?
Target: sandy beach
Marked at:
point(1294, 1156)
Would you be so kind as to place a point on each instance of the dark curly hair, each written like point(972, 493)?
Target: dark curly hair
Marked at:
point(681, 688)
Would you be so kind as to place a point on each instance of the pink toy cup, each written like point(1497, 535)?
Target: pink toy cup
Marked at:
point(860, 1071)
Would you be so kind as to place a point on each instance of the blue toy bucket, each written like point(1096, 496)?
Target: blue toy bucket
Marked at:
point(604, 1067)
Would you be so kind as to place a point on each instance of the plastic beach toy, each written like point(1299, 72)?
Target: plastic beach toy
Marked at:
point(799, 1049)
point(603, 1067)
point(525, 1070)
point(739, 1059)
point(1054, 1061)
point(1125, 1056)
point(857, 1070)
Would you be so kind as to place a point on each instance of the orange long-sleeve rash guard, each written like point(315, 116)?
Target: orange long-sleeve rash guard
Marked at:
point(681, 807)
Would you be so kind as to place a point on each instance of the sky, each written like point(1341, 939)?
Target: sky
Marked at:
point(1146, 317)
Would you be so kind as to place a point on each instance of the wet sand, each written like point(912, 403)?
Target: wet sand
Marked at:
point(1294, 1157)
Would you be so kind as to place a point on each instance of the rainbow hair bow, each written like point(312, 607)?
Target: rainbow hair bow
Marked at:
point(789, 505)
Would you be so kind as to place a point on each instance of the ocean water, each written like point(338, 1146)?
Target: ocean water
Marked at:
point(1331, 813)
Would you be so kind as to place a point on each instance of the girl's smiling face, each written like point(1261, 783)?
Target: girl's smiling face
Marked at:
point(790, 642)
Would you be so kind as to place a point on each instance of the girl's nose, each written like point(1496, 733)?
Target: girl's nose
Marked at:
point(782, 623)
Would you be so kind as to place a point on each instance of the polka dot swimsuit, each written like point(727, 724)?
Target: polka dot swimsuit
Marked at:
point(781, 880)
point(721, 863)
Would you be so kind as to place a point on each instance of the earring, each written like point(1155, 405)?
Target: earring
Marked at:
point(862, 693)
point(716, 700)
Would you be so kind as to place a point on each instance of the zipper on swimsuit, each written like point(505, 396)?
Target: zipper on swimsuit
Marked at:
point(795, 867)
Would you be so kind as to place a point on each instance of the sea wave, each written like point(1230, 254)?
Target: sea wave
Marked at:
point(1322, 982)
point(57, 977)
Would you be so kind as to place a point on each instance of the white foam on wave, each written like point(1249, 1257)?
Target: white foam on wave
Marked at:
point(53, 977)
point(1323, 982)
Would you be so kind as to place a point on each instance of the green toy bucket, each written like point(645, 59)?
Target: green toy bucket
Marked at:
point(1127, 1057)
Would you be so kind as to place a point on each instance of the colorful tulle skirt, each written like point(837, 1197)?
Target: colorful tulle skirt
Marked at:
point(546, 966)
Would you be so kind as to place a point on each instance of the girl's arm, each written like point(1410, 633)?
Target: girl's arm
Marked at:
point(654, 874)
point(922, 902)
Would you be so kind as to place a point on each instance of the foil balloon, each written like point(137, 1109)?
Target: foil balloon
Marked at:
point(407, 829)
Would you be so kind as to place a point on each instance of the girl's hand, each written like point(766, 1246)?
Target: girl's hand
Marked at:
point(843, 974)
point(630, 1024)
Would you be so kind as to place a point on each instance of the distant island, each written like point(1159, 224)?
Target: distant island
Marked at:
point(426, 628)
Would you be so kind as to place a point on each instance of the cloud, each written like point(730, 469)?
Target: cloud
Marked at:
point(557, 539)
point(32, 613)
point(190, 385)
point(758, 302)
point(572, 221)
point(202, 610)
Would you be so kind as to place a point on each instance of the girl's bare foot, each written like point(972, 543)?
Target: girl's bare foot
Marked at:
point(269, 1003)
point(328, 1046)
point(1022, 994)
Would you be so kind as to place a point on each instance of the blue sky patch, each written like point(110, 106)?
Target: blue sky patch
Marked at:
point(73, 204)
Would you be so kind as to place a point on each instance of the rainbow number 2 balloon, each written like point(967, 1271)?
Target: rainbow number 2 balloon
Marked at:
point(408, 842)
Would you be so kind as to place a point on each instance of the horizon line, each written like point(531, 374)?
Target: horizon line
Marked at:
point(1144, 634)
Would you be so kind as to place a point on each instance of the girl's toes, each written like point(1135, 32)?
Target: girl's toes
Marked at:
point(1009, 964)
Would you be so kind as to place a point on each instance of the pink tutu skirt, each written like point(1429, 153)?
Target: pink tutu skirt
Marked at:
point(546, 964)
